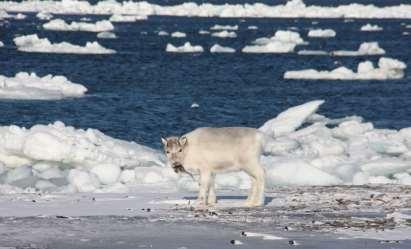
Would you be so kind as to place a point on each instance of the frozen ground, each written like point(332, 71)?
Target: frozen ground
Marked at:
point(311, 217)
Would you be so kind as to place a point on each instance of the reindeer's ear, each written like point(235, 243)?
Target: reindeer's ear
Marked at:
point(164, 141)
point(182, 141)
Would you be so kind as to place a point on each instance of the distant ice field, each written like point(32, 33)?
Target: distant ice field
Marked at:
point(142, 92)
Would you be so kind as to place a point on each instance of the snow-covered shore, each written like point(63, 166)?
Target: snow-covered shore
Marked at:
point(292, 9)
point(61, 158)
point(30, 86)
point(32, 43)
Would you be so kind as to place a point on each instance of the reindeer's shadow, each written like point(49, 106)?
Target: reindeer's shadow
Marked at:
point(230, 197)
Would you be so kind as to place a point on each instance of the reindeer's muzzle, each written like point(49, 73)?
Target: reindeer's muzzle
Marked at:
point(178, 167)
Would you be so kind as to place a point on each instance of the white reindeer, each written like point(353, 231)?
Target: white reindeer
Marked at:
point(212, 150)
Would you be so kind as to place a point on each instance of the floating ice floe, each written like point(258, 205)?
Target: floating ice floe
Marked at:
point(186, 48)
point(224, 27)
point(30, 86)
point(312, 52)
point(162, 33)
point(281, 42)
point(106, 35)
point(370, 27)
point(291, 9)
point(44, 15)
point(366, 48)
point(127, 18)
point(178, 34)
point(387, 69)
point(32, 43)
point(224, 34)
point(216, 48)
point(1, 44)
point(252, 27)
point(321, 33)
point(5, 15)
point(203, 32)
point(61, 25)
point(306, 149)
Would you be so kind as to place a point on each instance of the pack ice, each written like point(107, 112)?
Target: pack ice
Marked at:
point(282, 42)
point(321, 33)
point(387, 69)
point(30, 86)
point(366, 48)
point(61, 25)
point(61, 158)
point(370, 27)
point(186, 48)
point(291, 9)
point(32, 43)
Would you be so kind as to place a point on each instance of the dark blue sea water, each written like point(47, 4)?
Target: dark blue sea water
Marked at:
point(142, 92)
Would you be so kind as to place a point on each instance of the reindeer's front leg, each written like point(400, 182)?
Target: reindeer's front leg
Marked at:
point(205, 183)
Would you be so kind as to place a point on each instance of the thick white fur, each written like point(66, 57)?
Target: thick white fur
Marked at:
point(212, 150)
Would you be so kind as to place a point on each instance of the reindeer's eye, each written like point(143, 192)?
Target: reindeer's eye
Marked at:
point(180, 150)
point(168, 152)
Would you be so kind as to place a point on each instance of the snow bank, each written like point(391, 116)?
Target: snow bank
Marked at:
point(127, 18)
point(178, 34)
point(216, 48)
point(281, 42)
point(32, 43)
point(70, 159)
point(370, 27)
point(30, 86)
point(366, 48)
point(224, 34)
point(106, 35)
point(387, 69)
point(292, 9)
point(44, 15)
point(321, 33)
point(186, 48)
point(61, 25)
point(224, 27)
point(60, 158)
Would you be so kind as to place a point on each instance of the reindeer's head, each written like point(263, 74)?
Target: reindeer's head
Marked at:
point(174, 147)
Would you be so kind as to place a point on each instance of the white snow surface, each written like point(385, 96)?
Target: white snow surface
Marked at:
point(321, 33)
point(32, 43)
point(61, 25)
point(216, 48)
point(224, 34)
point(186, 48)
point(387, 69)
point(366, 48)
point(30, 86)
point(292, 9)
point(59, 158)
point(282, 42)
point(370, 27)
